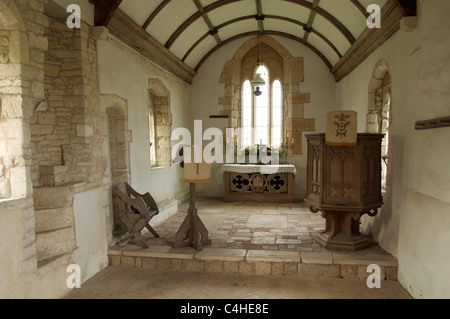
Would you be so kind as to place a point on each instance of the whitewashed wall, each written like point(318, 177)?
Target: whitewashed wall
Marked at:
point(127, 75)
point(416, 226)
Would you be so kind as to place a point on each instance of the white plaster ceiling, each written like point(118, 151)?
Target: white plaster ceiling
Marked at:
point(192, 29)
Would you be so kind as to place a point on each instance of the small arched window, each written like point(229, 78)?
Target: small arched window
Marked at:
point(262, 115)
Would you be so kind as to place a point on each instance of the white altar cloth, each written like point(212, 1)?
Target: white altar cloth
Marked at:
point(262, 169)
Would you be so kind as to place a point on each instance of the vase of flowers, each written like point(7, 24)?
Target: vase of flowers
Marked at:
point(256, 151)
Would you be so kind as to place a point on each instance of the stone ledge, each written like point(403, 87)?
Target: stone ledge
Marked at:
point(255, 262)
point(361, 258)
point(273, 256)
point(162, 252)
point(221, 254)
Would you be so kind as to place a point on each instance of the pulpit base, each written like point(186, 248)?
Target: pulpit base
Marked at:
point(341, 230)
point(342, 241)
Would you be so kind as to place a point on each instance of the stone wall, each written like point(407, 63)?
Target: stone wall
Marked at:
point(52, 133)
point(68, 128)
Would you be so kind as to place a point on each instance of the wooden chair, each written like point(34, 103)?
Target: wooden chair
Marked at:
point(136, 211)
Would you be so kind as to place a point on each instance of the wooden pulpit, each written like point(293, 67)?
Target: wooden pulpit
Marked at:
point(344, 183)
point(192, 231)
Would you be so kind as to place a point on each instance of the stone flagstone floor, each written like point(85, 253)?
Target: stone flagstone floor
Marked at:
point(258, 251)
point(263, 226)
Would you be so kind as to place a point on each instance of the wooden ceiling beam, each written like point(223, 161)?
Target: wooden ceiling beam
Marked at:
point(154, 14)
point(325, 14)
point(260, 17)
point(104, 11)
point(312, 16)
point(266, 32)
point(194, 18)
point(407, 7)
point(132, 34)
point(360, 7)
point(301, 24)
point(212, 29)
point(369, 41)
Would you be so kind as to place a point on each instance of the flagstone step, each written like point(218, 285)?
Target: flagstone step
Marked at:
point(258, 262)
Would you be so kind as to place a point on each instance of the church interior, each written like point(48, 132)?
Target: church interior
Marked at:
point(98, 96)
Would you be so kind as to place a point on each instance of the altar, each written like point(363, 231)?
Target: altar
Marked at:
point(259, 183)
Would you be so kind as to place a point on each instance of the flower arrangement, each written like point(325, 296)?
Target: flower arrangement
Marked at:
point(265, 149)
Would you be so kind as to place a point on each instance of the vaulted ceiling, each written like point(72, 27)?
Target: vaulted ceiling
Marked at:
point(189, 31)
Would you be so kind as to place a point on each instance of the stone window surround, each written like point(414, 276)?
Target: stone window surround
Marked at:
point(159, 103)
point(375, 114)
point(292, 75)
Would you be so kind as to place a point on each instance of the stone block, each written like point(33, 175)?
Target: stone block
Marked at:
point(263, 269)
point(214, 266)
point(278, 269)
point(221, 254)
point(85, 130)
point(53, 175)
point(272, 256)
point(231, 266)
point(39, 129)
point(52, 197)
point(163, 263)
point(5, 188)
point(18, 182)
point(246, 268)
point(11, 107)
point(349, 271)
point(296, 111)
point(297, 125)
point(193, 265)
point(316, 257)
point(176, 264)
point(392, 273)
point(48, 219)
point(149, 263)
point(365, 257)
point(290, 269)
point(54, 243)
point(128, 261)
point(299, 98)
point(315, 270)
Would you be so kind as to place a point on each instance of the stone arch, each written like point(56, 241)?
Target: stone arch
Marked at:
point(15, 108)
point(20, 94)
point(117, 141)
point(380, 120)
point(379, 117)
point(291, 74)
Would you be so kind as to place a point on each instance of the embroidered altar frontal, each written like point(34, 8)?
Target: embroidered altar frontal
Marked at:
point(250, 183)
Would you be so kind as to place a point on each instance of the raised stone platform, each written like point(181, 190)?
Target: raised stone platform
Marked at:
point(257, 262)
point(254, 239)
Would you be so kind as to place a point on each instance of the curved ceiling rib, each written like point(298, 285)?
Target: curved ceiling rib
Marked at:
point(267, 32)
point(336, 23)
point(194, 18)
point(301, 24)
point(328, 27)
point(348, 35)
point(155, 13)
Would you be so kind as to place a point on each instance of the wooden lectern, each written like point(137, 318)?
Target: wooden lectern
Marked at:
point(343, 180)
point(192, 231)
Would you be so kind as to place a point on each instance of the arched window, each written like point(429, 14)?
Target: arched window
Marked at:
point(262, 115)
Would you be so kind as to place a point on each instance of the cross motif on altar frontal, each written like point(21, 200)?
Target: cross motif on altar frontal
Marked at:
point(6, 139)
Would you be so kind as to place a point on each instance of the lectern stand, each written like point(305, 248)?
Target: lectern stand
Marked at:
point(192, 231)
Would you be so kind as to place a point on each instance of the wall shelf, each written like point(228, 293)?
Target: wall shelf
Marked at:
point(434, 123)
